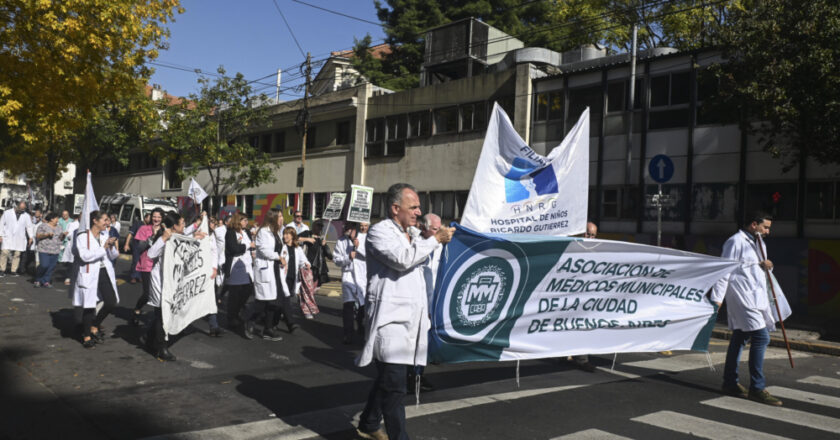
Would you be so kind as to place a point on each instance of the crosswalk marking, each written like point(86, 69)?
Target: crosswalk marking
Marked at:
point(702, 428)
point(805, 396)
point(591, 434)
point(339, 419)
point(787, 415)
point(819, 380)
point(693, 361)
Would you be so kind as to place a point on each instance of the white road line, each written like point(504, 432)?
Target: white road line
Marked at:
point(591, 434)
point(824, 381)
point(693, 361)
point(329, 421)
point(619, 373)
point(792, 416)
point(805, 396)
point(702, 428)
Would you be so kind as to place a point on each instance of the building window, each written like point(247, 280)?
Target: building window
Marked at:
point(311, 135)
point(821, 201)
point(446, 120)
point(265, 143)
point(342, 133)
point(306, 209)
point(669, 96)
point(714, 201)
point(609, 204)
point(397, 131)
point(419, 124)
point(375, 138)
point(473, 116)
point(173, 178)
point(320, 203)
point(279, 141)
point(618, 94)
point(376, 206)
point(776, 199)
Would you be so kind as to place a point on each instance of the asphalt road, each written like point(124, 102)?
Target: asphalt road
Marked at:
point(306, 386)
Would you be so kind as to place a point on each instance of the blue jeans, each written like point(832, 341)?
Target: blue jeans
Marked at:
point(46, 266)
point(386, 401)
point(759, 339)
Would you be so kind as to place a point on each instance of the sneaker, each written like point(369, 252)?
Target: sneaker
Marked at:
point(90, 343)
point(36, 284)
point(379, 434)
point(308, 316)
point(67, 281)
point(47, 285)
point(216, 332)
point(764, 397)
point(291, 327)
point(271, 335)
point(736, 391)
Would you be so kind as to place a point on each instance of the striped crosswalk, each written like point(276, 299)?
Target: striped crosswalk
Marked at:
point(710, 428)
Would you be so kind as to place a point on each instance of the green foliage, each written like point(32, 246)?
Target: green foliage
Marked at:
point(210, 131)
point(557, 25)
point(782, 73)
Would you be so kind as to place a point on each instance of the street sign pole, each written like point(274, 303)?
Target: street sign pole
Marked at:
point(659, 217)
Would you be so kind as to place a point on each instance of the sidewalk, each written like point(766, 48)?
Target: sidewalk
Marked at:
point(801, 340)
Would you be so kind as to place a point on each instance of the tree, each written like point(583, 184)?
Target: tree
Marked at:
point(781, 71)
point(63, 63)
point(556, 25)
point(210, 131)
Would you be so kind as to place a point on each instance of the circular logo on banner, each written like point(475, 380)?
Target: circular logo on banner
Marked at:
point(482, 291)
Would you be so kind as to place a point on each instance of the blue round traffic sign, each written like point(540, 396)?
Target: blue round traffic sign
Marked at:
point(661, 168)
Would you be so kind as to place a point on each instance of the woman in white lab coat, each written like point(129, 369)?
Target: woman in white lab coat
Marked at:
point(239, 273)
point(292, 258)
point(265, 276)
point(93, 277)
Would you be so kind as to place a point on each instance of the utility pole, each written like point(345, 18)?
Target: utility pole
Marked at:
point(631, 101)
point(277, 95)
point(300, 173)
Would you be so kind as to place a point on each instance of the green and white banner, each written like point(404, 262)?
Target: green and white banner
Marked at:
point(529, 297)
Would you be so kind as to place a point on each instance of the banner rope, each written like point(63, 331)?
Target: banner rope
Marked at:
point(615, 356)
point(517, 373)
point(709, 360)
point(416, 390)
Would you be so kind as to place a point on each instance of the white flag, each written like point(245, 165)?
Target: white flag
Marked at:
point(89, 206)
point(517, 191)
point(196, 192)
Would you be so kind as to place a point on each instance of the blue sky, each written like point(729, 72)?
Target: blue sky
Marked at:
point(249, 36)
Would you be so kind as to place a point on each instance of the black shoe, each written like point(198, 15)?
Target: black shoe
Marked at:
point(216, 332)
point(271, 335)
point(247, 331)
point(135, 319)
point(164, 355)
point(425, 385)
point(291, 326)
point(98, 337)
point(347, 340)
point(90, 343)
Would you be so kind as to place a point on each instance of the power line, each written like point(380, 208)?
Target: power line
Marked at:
point(289, 28)
point(341, 14)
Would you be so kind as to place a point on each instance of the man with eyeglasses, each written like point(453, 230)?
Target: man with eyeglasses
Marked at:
point(298, 223)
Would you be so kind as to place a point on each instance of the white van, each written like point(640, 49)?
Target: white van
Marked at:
point(131, 207)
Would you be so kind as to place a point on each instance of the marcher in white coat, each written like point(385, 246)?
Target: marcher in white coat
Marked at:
point(750, 311)
point(429, 226)
point(218, 231)
point(13, 236)
point(349, 255)
point(265, 277)
point(172, 223)
point(239, 272)
point(67, 252)
point(397, 319)
point(93, 277)
point(292, 259)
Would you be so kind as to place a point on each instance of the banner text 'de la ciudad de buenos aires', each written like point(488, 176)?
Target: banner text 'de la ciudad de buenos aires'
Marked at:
point(529, 297)
point(518, 191)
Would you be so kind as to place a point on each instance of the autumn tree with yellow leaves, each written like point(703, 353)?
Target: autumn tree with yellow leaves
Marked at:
point(65, 63)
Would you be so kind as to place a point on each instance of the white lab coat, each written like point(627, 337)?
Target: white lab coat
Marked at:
point(298, 229)
point(67, 254)
point(89, 253)
point(430, 270)
point(219, 235)
point(13, 230)
point(30, 230)
point(353, 271)
point(155, 253)
point(745, 290)
point(300, 261)
point(265, 282)
point(397, 317)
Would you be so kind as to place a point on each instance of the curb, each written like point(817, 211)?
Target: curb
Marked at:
point(823, 347)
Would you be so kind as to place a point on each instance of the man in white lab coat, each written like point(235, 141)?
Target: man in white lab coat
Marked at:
point(397, 320)
point(750, 309)
point(13, 227)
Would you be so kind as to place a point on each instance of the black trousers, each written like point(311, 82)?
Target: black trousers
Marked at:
point(109, 300)
point(156, 334)
point(386, 401)
point(349, 314)
point(237, 297)
point(146, 279)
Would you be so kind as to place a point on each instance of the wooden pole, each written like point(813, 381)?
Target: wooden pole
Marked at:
point(775, 301)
